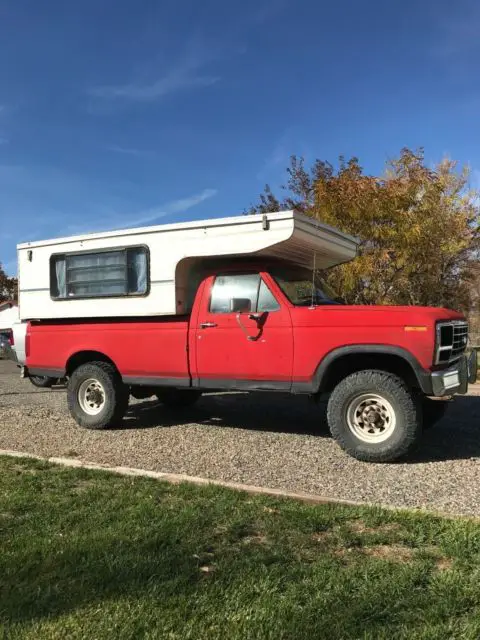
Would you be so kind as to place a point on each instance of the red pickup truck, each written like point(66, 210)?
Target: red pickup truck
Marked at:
point(135, 314)
point(376, 363)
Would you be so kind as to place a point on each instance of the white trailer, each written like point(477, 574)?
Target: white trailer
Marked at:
point(154, 271)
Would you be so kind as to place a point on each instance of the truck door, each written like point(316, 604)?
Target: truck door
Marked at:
point(243, 336)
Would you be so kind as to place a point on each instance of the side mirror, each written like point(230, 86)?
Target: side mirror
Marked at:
point(240, 305)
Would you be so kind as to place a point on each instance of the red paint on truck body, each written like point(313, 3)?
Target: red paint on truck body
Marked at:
point(226, 350)
point(147, 348)
point(322, 329)
point(292, 343)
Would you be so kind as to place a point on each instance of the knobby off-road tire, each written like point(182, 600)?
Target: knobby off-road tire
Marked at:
point(374, 417)
point(97, 397)
point(178, 398)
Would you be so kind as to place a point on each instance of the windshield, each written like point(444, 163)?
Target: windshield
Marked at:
point(301, 288)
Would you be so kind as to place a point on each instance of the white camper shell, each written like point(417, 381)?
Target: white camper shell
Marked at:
point(154, 271)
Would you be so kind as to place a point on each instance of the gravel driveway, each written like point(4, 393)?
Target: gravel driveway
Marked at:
point(269, 440)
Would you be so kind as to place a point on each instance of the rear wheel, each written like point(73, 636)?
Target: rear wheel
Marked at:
point(178, 398)
point(374, 417)
point(42, 381)
point(97, 397)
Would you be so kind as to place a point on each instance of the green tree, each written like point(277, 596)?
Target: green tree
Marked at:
point(418, 227)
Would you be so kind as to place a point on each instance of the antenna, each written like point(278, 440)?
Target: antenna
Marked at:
point(313, 277)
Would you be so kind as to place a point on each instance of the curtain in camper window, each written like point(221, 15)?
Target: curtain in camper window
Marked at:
point(110, 273)
point(137, 270)
point(60, 273)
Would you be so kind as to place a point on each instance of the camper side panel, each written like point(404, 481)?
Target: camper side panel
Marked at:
point(51, 289)
point(43, 295)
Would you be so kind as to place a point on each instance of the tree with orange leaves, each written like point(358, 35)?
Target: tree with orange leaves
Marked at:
point(418, 227)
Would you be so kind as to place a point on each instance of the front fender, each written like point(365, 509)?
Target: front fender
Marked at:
point(318, 382)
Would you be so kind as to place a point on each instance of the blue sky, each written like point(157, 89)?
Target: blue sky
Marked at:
point(119, 113)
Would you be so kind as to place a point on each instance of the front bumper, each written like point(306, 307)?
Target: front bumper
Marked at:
point(456, 378)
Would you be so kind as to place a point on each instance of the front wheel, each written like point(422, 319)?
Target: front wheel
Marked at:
point(97, 397)
point(374, 417)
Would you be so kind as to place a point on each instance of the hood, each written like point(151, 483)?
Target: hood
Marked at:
point(374, 315)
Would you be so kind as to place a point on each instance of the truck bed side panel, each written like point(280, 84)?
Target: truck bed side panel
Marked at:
point(141, 349)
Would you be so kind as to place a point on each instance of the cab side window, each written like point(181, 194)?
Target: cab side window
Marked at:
point(247, 286)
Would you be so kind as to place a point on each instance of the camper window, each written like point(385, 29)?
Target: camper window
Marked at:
point(120, 272)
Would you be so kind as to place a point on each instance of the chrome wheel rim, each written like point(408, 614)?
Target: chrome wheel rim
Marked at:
point(371, 418)
point(91, 396)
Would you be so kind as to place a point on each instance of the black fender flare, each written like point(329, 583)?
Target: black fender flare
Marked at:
point(315, 385)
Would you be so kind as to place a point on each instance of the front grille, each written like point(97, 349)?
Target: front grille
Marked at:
point(452, 339)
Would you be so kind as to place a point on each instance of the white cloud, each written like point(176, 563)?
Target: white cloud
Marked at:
point(140, 218)
point(171, 83)
point(185, 74)
point(176, 206)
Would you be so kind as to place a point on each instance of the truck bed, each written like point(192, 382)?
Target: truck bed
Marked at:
point(145, 350)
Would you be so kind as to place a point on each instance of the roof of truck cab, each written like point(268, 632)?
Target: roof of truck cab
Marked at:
point(197, 224)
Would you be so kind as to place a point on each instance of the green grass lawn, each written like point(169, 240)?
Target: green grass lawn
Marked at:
point(93, 555)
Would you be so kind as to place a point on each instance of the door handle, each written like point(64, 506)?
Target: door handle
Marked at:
point(208, 325)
